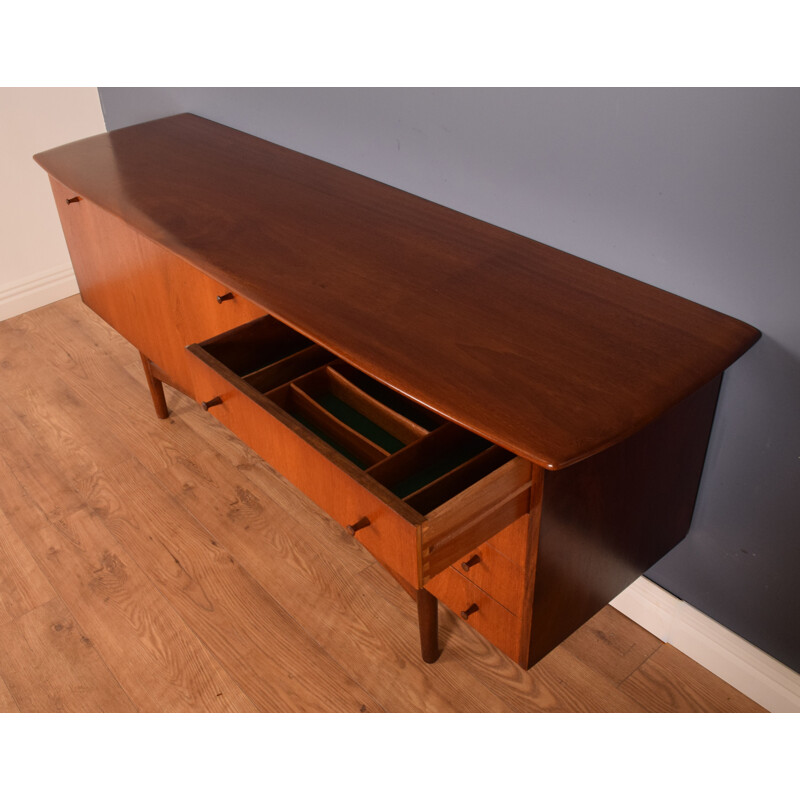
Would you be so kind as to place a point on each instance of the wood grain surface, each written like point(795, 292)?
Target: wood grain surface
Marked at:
point(23, 586)
point(50, 665)
point(495, 574)
point(487, 616)
point(275, 662)
point(669, 681)
point(7, 703)
point(104, 498)
point(608, 519)
point(542, 352)
point(134, 284)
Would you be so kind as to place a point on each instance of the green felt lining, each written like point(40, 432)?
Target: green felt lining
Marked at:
point(391, 399)
point(440, 466)
point(358, 422)
point(303, 420)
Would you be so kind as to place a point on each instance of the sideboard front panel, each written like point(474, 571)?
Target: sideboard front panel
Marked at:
point(155, 299)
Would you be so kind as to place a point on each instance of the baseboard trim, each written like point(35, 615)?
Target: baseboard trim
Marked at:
point(45, 287)
point(739, 663)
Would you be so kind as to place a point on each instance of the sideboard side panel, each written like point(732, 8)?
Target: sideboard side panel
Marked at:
point(608, 519)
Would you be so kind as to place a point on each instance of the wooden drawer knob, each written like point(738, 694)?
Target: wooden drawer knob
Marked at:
point(73, 200)
point(471, 610)
point(470, 562)
point(357, 526)
point(214, 401)
point(221, 298)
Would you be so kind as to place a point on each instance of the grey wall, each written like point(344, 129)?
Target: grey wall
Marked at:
point(695, 191)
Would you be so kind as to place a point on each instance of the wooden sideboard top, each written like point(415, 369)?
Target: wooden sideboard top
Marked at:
point(542, 352)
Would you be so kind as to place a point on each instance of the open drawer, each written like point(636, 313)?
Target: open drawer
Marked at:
point(418, 491)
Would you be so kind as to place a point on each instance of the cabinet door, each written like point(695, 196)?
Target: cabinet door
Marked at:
point(155, 299)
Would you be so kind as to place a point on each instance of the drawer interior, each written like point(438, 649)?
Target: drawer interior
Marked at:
point(421, 458)
point(252, 348)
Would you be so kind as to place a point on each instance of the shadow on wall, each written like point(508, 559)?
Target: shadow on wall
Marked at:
point(758, 417)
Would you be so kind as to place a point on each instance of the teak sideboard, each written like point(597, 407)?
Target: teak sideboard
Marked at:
point(508, 429)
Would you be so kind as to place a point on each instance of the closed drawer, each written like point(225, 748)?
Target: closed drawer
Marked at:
point(513, 542)
point(495, 574)
point(204, 307)
point(502, 628)
point(419, 492)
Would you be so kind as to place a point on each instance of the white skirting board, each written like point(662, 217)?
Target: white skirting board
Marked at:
point(38, 290)
point(748, 669)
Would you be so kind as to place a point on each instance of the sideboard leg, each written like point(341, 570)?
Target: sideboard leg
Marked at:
point(156, 389)
point(428, 613)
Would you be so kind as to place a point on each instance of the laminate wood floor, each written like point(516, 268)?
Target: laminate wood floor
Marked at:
point(150, 565)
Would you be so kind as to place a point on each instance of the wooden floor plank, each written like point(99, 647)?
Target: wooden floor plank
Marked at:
point(7, 703)
point(71, 320)
point(276, 662)
point(157, 660)
point(559, 683)
point(84, 469)
point(577, 687)
point(372, 621)
point(317, 572)
point(671, 681)
point(321, 691)
point(323, 686)
point(612, 645)
point(169, 449)
point(320, 556)
point(23, 586)
point(49, 665)
point(47, 406)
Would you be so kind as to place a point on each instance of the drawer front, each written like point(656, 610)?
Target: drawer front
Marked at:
point(513, 540)
point(419, 492)
point(501, 627)
point(468, 520)
point(199, 315)
point(204, 307)
point(391, 539)
point(495, 574)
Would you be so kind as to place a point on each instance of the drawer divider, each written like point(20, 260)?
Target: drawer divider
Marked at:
point(401, 467)
point(389, 419)
point(353, 441)
point(451, 489)
point(243, 349)
point(288, 369)
point(456, 480)
point(418, 414)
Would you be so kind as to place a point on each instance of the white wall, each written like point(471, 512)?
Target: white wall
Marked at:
point(34, 263)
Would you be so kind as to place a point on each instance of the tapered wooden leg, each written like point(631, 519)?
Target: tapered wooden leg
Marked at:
point(428, 613)
point(156, 389)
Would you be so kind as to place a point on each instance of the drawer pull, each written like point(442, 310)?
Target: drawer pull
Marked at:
point(73, 200)
point(357, 526)
point(471, 562)
point(471, 610)
point(221, 298)
point(214, 401)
